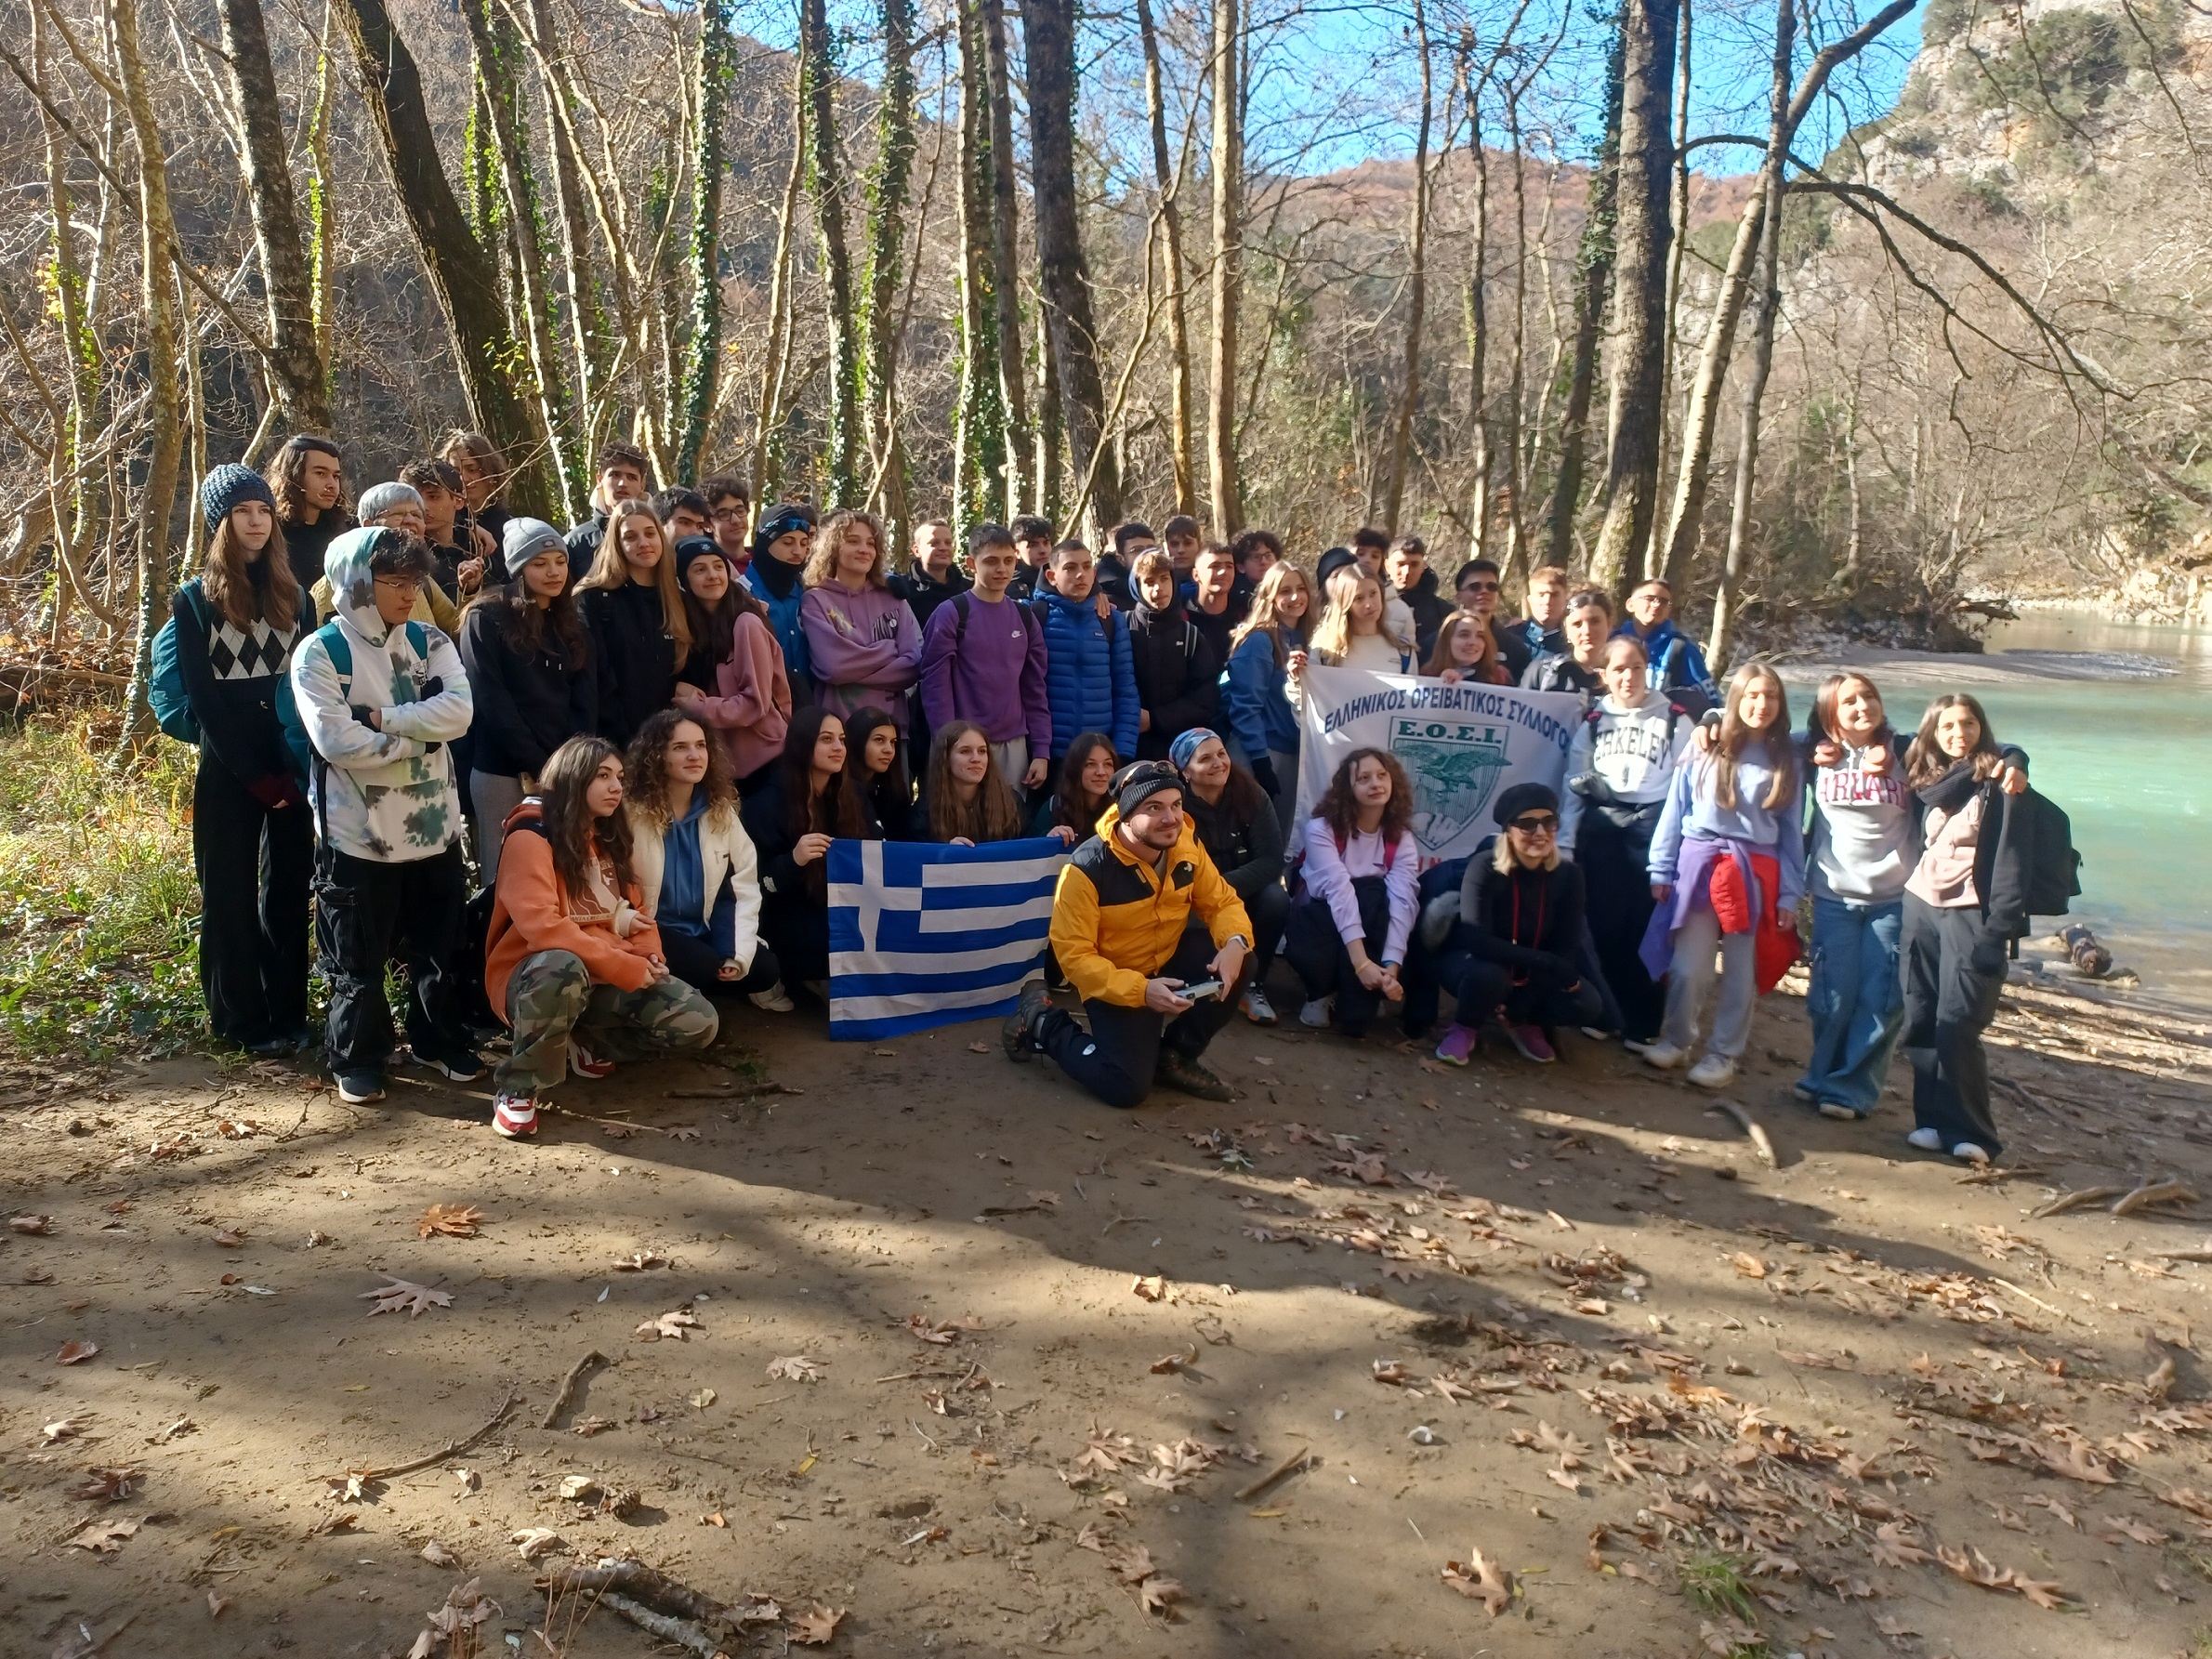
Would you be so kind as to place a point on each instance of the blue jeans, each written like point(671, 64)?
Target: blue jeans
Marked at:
point(1857, 1001)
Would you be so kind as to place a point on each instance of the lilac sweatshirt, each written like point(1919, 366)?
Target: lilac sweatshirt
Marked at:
point(863, 647)
point(1329, 876)
point(993, 673)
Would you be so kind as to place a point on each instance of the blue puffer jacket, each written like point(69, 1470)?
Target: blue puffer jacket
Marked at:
point(1090, 679)
point(1258, 709)
point(784, 619)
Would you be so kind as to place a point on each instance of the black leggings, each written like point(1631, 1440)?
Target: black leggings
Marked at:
point(1485, 988)
point(697, 963)
point(254, 863)
point(1613, 856)
point(1948, 1004)
point(1323, 961)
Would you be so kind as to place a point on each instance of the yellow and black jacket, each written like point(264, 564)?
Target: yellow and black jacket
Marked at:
point(1116, 919)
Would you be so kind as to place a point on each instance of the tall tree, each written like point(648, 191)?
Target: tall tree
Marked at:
point(767, 429)
point(1228, 238)
point(580, 290)
point(1416, 285)
point(1641, 236)
point(980, 446)
point(1593, 277)
point(825, 171)
point(885, 274)
point(1168, 180)
point(462, 272)
point(702, 349)
point(1048, 28)
point(298, 378)
point(1005, 223)
point(1755, 391)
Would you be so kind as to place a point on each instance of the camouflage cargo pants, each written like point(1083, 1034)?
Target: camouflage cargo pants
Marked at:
point(551, 998)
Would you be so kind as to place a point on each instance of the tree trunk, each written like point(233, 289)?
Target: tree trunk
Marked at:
point(1416, 286)
point(979, 452)
point(461, 271)
point(298, 379)
point(1516, 549)
point(1052, 455)
point(157, 293)
point(587, 322)
point(81, 522)
point(531, 310)
point(1478, 335)
point(1641, 235)
point(1593, 278)
point(322, 212)
point(1755, 388)
point(703, 352)
point(1168, 180)
point(1654, 556)
point(888, 189)
point(1006, 290)
point(1048, 27)
point(767, 432)
point(826, 172)
point(1228, 235)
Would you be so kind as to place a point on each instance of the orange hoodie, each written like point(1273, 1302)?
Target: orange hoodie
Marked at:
point(530, 914)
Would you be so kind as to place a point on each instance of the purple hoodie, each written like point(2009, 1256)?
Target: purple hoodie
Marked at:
point(862, 648)
point(992, 672)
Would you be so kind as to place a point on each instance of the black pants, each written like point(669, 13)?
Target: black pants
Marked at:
point(1325, 964)
point(1948, 1004)
point(795, 928)
point(254, 865)
point(1116, 1060)
point(697, 963)
point(1269, 911)
point(1614, 855)
point(365, 915)
point(1486, 988)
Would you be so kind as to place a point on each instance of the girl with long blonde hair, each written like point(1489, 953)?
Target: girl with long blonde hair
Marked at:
point(641, 632)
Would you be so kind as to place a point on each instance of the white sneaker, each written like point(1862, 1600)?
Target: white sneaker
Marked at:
point(1966, 1151)
point(1257, 1008)
point(1927, 1140)
point(775, 999)
point(1715, 1071)
point(1665, 1055)
point(1316, 1013)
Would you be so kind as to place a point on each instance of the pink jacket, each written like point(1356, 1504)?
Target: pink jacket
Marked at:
point(750, 708)
point(862, 648)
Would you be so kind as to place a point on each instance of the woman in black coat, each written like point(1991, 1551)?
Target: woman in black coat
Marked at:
point(1178, 676)
point(1236, 823)
point(530, 671)
point(641, 632)
point(810, 800)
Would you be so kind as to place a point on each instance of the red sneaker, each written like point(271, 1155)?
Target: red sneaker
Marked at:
point(514, 1116)
point(586, 1065)
point(1533, 1044)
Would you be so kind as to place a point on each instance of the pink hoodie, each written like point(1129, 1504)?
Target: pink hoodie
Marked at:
point(750, 708)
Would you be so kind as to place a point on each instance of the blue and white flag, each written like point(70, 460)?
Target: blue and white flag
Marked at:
point(922, 935)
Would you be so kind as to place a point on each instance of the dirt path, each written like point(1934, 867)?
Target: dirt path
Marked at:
point(1561, 1317)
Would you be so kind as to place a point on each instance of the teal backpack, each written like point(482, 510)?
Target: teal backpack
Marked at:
point(164, 691)
point(341, 661)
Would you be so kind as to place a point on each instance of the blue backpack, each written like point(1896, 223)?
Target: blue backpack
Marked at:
point(164, 691)
point(304, 756)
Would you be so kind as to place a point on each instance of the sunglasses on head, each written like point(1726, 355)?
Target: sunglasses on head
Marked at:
point(1536, 824)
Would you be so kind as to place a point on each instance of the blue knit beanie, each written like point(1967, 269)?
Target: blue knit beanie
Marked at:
point(228, 485)
point(1188, 744)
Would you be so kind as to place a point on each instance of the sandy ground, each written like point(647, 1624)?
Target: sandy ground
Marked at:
point(1561, 1319)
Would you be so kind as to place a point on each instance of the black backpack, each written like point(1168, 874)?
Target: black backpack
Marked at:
point(2054, 874)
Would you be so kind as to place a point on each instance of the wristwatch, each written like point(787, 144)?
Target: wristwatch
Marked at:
point(1236, 939)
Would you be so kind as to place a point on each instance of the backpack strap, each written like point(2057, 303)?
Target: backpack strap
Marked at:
point(1189, 639)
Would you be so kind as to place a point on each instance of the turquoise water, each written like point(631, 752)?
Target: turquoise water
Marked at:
point(2117, 722)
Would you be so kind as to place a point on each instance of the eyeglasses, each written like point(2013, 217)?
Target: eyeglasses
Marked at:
point(400, 583)
point(1537, 824)
point(727, 515)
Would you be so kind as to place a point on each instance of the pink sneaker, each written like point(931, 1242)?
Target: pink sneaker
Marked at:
point(1531, 1043)
point(514, 1116)
point(1459, 1042)
point(586, 1065)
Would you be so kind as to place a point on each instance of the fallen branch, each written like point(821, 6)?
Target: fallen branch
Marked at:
point(682, 1632)
point(568, 1387)
point(453, 1450)
point(1296, 1460)
point(1750, 1125)
point(634, 1578)
point(2202, 1253)
point(2073, 1201)
point(2151, 1193)
point(2055, 1312)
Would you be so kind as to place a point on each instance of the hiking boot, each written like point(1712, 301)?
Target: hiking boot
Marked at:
point(774, 1000)
point(462, 1067)
point(359, 1088)
point(1459, 1042)
point(1257, 1008)
point(585, 1064)
point(1192, 1075)
point(1530, 1042)
point(514, 1116)
point(1019, 1035)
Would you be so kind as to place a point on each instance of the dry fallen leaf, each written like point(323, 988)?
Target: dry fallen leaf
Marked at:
point(637, 1261)
point(439, 1556)
point(1481, 1580)
point(75, 1351)
point(106, 1485)
point(1169, 1364)
point(795, 1368)
point(231, 1239)
point(1893, 1548)
point(452, 1219)
point(1152, 1288)
point(215, 1604)
point(814, 1627)
point(618, 1131)
point(535, 1541)
point(35, 1224)
point(1750, 1266)
point(104, 1538)
point(61, 1429)
point(1158, 1594)
point(1133, 1565)
point(400, 1297)
point(671, 1325)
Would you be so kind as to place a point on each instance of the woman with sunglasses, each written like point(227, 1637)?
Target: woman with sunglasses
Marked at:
point(1513, 954)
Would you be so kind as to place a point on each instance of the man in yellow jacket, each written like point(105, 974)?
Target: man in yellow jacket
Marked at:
point(1121, 931)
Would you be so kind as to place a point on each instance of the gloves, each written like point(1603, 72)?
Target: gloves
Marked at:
point(1987, 956)
point(275, 790)
point(1264, 770)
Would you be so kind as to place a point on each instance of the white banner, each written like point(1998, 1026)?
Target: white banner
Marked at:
point(1460, 744)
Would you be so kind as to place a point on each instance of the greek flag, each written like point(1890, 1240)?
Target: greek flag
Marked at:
point(922, 935)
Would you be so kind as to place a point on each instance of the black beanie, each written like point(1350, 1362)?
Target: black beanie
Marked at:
point(1139, 780)
point(1525, 797)
point(695, 548)
point(778, 521)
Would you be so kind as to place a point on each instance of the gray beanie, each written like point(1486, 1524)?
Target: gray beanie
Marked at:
point(225, 487)
point(523, 540)
point(379, 499)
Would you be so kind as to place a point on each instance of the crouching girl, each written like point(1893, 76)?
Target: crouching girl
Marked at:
point(573, 962)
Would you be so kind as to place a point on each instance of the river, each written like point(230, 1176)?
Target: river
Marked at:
point(2117, 719)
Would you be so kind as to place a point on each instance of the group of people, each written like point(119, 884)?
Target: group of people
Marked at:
point(634, 741)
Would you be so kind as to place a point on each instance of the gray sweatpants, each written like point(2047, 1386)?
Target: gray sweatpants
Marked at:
point(1013, 765)
point(494, 798)
point(1690, 977)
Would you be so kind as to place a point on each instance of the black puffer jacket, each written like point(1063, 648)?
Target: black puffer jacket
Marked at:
point(633, 656)
point(527, 704)
point(1178, 676)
